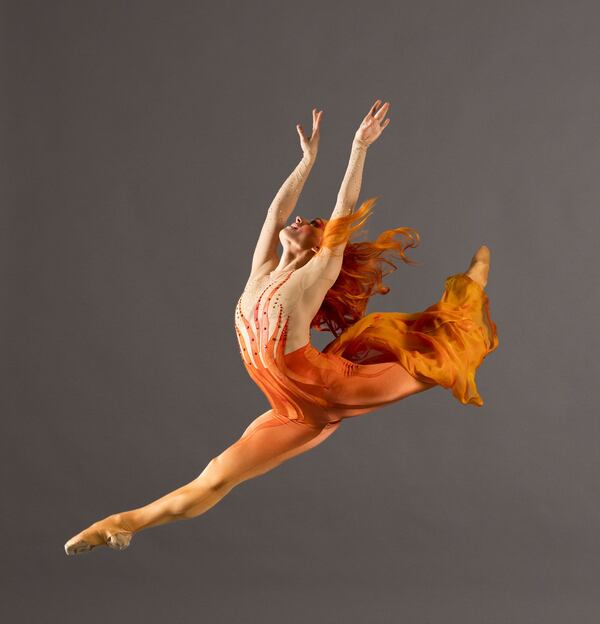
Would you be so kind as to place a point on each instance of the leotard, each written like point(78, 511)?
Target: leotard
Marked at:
point(369, 364)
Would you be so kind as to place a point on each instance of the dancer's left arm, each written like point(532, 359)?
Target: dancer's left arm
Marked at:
point(328, 263)
point(368, 132)
point(265, 253)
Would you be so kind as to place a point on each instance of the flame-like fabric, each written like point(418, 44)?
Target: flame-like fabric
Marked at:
point(444, 343)
point(368, 364)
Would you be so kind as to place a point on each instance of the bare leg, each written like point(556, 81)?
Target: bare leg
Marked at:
point(265, 444)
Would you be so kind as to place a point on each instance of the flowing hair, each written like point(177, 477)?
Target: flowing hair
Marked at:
point(361, 273)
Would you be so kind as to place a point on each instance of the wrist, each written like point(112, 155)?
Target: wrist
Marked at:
point(360, 144)
point(309, 159)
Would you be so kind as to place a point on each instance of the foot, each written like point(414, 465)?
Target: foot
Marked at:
point(480, 266)
point(108, 532)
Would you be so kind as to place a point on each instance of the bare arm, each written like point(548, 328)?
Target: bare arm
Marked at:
point(278, 213)
point(368, 132)
point(323, 270)
point(265, 253)
point(350, 187)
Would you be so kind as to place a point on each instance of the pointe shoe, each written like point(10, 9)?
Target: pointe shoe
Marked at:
point(480, 266)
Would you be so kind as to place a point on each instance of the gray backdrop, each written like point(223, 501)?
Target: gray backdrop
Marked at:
point(143, 143)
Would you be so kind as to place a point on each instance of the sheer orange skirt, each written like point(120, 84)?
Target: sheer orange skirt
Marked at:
point(385, 357)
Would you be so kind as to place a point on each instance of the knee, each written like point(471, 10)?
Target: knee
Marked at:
point(215, 476)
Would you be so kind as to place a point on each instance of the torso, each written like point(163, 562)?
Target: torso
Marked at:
point(269, 302)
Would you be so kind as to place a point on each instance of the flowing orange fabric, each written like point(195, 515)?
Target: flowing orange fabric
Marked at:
point(374, 361)
point(444, 344)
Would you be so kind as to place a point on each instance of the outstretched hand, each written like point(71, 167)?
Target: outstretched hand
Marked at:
point(373, 124)
point(310, 146)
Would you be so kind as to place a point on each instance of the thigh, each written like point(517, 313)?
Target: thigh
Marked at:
point(366, 385)
point(268, 441)
point(321, 436)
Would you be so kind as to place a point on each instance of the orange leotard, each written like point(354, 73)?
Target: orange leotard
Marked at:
point(382, 358)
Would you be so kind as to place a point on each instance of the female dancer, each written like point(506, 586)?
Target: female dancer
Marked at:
point(323, 281)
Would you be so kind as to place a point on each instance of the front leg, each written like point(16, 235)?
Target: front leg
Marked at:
point(266, 443)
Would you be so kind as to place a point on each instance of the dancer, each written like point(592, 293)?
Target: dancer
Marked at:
point(324, 281)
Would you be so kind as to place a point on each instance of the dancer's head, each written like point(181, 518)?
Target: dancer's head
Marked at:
point(303, 235)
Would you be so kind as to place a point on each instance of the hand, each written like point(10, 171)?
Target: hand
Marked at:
point(372, 126)
point(310, 146)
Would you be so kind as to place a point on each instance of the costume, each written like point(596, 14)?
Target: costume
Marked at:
point(355, 373)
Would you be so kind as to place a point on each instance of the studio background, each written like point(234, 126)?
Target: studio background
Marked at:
point(143, 143)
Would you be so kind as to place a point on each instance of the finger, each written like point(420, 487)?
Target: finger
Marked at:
point(301, 132)
point(372, 110)
point(317, 124)
point(382, 111)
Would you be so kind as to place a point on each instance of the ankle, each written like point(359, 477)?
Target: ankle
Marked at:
point(123, 521)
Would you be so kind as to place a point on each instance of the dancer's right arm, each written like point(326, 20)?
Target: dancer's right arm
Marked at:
point(265, 254)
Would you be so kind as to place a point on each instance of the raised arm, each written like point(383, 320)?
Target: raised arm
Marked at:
point(368, 132)
point(321, 272)
point(265, 254)
point(350, 187)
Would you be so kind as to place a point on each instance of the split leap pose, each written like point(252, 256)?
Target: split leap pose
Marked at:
point(324, 281)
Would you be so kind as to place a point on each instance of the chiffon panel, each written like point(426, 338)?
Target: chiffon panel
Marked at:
point(382, 358)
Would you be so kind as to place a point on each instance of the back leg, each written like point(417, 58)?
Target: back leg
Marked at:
point(371, 386)
point(480, 266)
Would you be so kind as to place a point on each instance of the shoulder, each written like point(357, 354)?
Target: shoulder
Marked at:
point(326, 265)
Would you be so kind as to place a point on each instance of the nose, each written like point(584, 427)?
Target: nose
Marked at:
point(298, 220)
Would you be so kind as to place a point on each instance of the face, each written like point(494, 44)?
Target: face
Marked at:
point(304, 233)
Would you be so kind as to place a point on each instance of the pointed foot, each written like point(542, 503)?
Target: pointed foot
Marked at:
point(107, 532)
point(480, 265)
point(119, 541)
point(76, 546)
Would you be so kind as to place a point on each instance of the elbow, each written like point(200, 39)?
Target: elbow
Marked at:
point(343, 208)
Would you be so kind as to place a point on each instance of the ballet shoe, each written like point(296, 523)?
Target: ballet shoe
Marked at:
point(480, 265)
point(482, 254)
point(76, 546)
point(107, 532)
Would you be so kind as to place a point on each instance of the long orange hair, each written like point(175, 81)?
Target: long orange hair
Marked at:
point(361, 272)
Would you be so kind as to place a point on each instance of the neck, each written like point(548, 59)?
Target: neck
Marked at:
point(290, 261)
